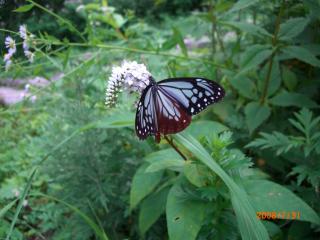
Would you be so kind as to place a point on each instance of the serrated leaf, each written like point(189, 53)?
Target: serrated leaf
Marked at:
point(142, 184)
point(302, 54)
point(241, 4)
point(245, 87)
point(184, 217)
point(151, 209)
point(286, 99)
point(267, 196)
point(254, 56)
point(195, 173)
point(256, 114)
point(292, 27)
point(24, 8)
point(289, 78)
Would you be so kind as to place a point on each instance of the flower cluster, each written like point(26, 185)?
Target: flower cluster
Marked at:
point(27, 39)
point(11, 46)
point(130, 76)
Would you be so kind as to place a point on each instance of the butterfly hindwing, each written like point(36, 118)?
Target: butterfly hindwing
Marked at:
point(171, 115)
point(195, 94)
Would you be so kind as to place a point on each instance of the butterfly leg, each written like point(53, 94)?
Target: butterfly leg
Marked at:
point(170, 141)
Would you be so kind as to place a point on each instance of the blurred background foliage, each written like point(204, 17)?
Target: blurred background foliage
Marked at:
point(95, 179)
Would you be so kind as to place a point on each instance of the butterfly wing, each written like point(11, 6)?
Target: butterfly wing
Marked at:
point(195, 94)
point(146, 121)
point(171, 115)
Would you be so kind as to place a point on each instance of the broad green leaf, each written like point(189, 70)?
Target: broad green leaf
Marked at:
point(289, 78)
point(205, 128)
point(275, 77)
point(292, 27)
point(196, 173)
point(184, 217)
point(249, 226)
point(24, 8)
point(151, 209)
point(256, 114)
point(245, 86)
point(241, 4)
point(268, 196)
point(173, 164)
point(286, 99)
point(249, 28)
point(302, 54)
point(254, 56)
point(143, 183)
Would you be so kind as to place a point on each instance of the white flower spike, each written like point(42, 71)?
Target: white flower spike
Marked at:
point(130, 76)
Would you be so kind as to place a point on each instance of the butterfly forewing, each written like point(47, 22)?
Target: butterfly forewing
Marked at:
point(195, 94)
point(146, 116)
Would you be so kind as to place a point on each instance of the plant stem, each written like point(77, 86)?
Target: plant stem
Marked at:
point(170, 141)
point(61, 19)
point(274, 44)
point(135, 50)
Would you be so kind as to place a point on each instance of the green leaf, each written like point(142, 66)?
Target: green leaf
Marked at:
point(256, 114)
point(241, 4)
point(196, 173)
point(245, 86)
point(184, 217)
point(286, 99)
point(292, 28)
point(117, 119)
point(151, 209)
point(173, 164)
point(98, 230)
point(289, 78)
point(267, 196)
point(275, 78)
point(143, 183)
point(249, 226)
point(249, 28)
point(7, 207)
point(205, 128)
point(179, 39)
point(254, 56)
point(24, 8)
point(302, 54)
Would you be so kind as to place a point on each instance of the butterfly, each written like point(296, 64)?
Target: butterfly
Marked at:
point(166, 107)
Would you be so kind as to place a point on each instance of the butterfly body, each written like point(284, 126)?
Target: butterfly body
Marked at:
point(166, 107)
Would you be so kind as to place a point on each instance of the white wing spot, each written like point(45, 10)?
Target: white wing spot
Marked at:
point(205, 99)
point(192, 110)
point(200, 94)
point(199, 105)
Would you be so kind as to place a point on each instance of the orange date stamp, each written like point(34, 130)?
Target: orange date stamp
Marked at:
point(278, 215)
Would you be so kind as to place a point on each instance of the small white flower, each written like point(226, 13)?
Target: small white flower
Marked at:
point(8, 64)
point(29, 55)
point(10, 45)
point(104, 9)
point(23, 32)
point(131, 76)
point(79, 8)
point(27, 87)
point(16, 192)
point(25, 203)
point(33, 98)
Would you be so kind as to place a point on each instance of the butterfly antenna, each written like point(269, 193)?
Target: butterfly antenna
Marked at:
point(170, 141)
